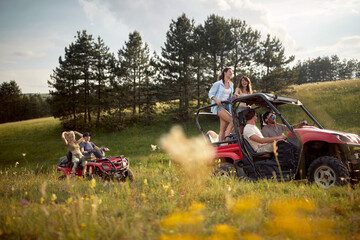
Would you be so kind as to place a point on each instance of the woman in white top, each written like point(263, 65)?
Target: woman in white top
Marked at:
point(243, 88)
point(221, 91)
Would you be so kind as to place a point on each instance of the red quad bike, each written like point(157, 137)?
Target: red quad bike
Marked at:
point(112, 168)
point(325, 157)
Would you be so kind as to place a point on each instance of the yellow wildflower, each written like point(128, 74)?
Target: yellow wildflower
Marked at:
point(69, 200)
point(223, 232)
point(191, 217)
point(93, 183)
point(145, 182)
point(172, 193)
point(284, 207)
point(83, 225)
point(243, 204)
point(251, 236)
point(180, 237)
point(53, 197)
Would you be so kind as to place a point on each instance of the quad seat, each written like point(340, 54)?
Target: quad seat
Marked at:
point(253, 153)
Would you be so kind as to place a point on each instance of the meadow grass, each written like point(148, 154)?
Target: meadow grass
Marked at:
point(164, 202)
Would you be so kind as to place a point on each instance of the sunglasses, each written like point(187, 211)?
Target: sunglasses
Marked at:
point(273, 116)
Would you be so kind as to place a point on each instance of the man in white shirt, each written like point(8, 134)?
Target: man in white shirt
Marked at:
point(273, 129)
point(253, 135)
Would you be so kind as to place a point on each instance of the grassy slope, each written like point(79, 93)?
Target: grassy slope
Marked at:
point(36, 205)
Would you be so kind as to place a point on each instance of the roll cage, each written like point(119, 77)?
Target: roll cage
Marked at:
point(256, 101)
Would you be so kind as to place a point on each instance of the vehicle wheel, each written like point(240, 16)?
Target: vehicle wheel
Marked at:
point(62, 177)
point(129, 175)
point(327, 172)
point(225, 170)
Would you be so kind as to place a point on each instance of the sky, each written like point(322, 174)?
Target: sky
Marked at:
point(34, 33)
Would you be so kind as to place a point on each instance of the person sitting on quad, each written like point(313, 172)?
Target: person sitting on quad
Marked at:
point(87, 148)
point(253, 135)
point(73, 147)
point(273, 129)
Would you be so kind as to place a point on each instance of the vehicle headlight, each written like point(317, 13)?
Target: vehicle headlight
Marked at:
point(348, 138)
point(341, 138)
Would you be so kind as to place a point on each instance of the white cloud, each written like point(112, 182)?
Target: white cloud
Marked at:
point(29, 80)
point(346, 47)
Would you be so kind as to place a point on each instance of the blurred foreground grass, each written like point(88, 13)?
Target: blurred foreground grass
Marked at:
point(161, 204)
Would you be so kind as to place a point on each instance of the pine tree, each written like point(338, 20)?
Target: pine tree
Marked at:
point(101, 68)
point(176, 64)
point(10, 98)
point(134, 63)
point(271, 55)
point(244, 46)
point(217, 34)
point(71, 81)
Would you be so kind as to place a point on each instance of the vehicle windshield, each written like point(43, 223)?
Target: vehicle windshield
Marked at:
point(294, 114)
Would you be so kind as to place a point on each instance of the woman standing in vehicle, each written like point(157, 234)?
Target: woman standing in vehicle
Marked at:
point(221, 91)
point(243, 88)
point(73, 147)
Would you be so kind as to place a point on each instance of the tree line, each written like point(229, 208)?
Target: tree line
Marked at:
point(94, 87)
point(331, 68)
point(16, 106)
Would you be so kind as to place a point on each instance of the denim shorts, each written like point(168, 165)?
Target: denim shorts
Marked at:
point(223, 106)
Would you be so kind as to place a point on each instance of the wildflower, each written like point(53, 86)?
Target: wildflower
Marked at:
point(83, 225)
point(24, 203)
point(179, 237)
point(242, 205)
point(290, 206)
point(42, 200)
point(26, 193)
point(92, 197)
point(143, 195)
point(224, 231)
point(93, 183)
point(145, 182)
point(251, 236)
point(69, 200)
point(166, 187)
point(191, 217)
point(193, 155)
point(172, 193)
point(154, 147)
point(53, 197)
point(197, 207)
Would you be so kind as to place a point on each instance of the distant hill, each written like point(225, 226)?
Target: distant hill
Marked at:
point(335, 104)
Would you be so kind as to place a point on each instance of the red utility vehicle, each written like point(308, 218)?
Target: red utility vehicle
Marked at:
point(112, 168)
point(325, 157)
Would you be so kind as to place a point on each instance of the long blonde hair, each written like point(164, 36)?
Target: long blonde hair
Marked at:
point(248, 87)
point(69, 135)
